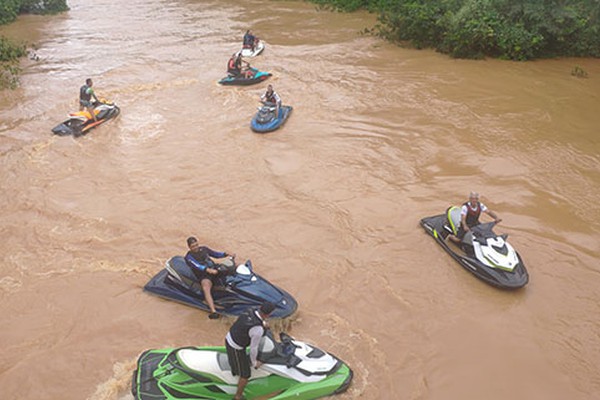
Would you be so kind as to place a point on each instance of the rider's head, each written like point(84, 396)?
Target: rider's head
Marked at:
point(267, 308)
point(89, 82)
point(473, 197)
point(270, 88)
point(192, 243)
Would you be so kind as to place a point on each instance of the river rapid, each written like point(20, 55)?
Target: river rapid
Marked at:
point(327, 208)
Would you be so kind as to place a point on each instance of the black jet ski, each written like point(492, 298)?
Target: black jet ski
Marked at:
point(482, 252)
point(79, 123)
point(237, 289)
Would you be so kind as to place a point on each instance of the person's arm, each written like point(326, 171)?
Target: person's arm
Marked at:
point(192, 262)
point(463, 222)
point(92, 93)
point(493, 215)
point(463, 218)
point(256, 332)
point(216, 254)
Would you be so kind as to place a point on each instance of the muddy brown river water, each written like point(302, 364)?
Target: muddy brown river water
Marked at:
point(327, 208)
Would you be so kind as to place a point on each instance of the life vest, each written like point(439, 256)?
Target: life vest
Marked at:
point(473, 214)
point(241, 327)
point(248, 41)
point(231, 67)
point(199, 259)
point(83, 93)
point(270, 98)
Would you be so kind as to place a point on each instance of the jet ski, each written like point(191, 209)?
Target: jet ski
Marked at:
point(291, 370)
point(248, 51)
point(265, 119)
point(257, 77)
point(482, 252)
point(79, 123)
point(236, 289)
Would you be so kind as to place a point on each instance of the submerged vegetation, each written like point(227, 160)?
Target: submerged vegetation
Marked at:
point(508, 29)
point(11, 51)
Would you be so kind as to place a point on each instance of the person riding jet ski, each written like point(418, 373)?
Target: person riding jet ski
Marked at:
point(236, 67)
point(249, 40)
point(204, 268)
point(272, 98)
point(469, 216)
point(85, 96)
point(246, 332)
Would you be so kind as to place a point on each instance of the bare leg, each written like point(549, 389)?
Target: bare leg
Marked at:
point(206, 288)
point(91, 111)
point(240, 388)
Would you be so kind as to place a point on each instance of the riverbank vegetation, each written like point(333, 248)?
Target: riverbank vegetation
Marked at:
point(11, 51)
point(507, 29)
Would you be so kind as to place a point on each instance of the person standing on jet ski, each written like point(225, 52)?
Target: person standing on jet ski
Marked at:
point(85, 97)
point(246, 331)
point(271, 98)
point(236, 68)
point(469, 216)
point(204, 268)
point(249, 40)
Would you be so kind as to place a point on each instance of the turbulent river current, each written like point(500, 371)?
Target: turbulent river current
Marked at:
point(328, 207)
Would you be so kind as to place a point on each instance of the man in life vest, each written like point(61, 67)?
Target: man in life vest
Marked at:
point(469, 216)
point(235, 66)
point(204, 268)
point(246, 331)
point(271, 98)
point(86, 93)
point(249, 40)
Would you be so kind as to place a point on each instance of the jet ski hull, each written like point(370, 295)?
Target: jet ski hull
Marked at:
point(205, 373)
point(264, 127)
point(514, 279)
point(248, 52)
point(77, 127)
point(258, 77)
point(235, 293)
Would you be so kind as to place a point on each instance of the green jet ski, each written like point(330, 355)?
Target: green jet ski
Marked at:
point(291, 370)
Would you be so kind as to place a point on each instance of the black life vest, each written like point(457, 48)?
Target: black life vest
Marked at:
point(270, 98)
point(240, 328)
point(83, 94)
point(201, 255)
point(473, 215)
point(248, 40)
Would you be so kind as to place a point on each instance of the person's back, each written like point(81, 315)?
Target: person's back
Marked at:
point(86, 93)
point(249, 40)
point(233, 66)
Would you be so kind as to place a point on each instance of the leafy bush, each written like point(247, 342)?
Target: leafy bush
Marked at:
point(8, 10)
point(43, 6)
point(10, 53)
point(511, 29)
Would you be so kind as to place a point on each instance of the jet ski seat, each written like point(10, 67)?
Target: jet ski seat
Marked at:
point(223, 361)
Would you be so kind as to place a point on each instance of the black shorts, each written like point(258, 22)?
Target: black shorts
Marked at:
point(239, 361)
point(200, 275)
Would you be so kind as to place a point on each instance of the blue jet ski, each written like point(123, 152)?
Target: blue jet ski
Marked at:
point(265, 119)
point(236, 289)
point(240, 80)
